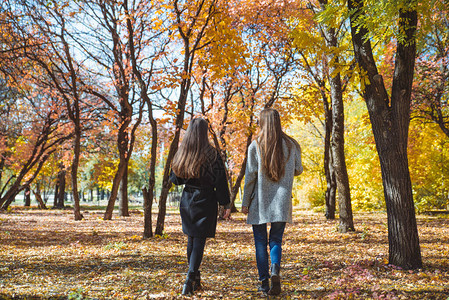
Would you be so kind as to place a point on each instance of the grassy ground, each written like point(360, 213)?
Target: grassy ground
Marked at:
point(48, 255)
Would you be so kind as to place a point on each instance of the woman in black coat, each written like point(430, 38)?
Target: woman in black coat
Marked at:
point(200, 168)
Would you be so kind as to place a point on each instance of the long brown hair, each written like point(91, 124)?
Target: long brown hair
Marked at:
point(270, 140)
point(193, 151)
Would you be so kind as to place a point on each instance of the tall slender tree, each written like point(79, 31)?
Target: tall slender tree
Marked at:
point(106, 50)
point(191, 20)
point(62, 71)
point(319, 42)
point(330, 35)
point(144, 76)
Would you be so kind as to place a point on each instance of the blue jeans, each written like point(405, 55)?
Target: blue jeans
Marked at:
point(261, 242)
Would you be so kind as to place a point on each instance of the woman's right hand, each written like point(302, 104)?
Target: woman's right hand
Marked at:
point(245, 210)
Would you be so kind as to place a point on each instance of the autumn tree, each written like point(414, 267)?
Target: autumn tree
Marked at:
point(190, 21)
point(113, 24)
point(142, 47)
point(218, 83)
point(330, 35)
point(430, 99)
point(34, 125)
point(255, 74)
point(314, 86)
point(319, 37)
point(9, 131)
point(41, 133)
point(60, 187)
point(63, 74)
point(390, 118)
point(105, 52)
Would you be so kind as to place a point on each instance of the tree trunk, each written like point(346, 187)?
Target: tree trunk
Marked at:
point(2, 165)
point(38, 189)
point(41, 204)
point(16, 187)
point(331, 184)
point(61, 191)
point(402, 228)
point(236, 186)
point(147, 205)
point(123, 204)
point(55, 197)
point(331, 191)
point(390, 123)
point(98, 194)
point(346, 222)
point(74, 113)
point(238, 182)
point(10, 198)
point(122, 79)
point(114, 191)
point(27, 196)
point(148, 194)
point(166, 183)
point(74, 172)
point(122, 141)
point(162, 207)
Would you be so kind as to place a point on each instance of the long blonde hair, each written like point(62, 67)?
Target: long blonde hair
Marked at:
point(270, 140)
point(194, 150)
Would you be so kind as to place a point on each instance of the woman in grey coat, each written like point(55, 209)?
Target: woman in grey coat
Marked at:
point(274, 158)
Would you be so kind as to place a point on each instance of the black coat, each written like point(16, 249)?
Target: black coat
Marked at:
point(200, 198)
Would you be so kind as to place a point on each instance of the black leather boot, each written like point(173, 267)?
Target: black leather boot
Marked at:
point(197, 283)
point(264, 287)
point(187, 288)
point(275, 280)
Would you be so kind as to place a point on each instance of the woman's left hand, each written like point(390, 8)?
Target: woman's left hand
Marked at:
point(227, 214)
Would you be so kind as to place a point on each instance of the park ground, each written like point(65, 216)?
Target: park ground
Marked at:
point(45, 254)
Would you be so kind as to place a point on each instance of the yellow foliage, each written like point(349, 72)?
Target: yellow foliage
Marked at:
point(428, 153)
point(312, 180)
point(104, 172)
point(361, 159)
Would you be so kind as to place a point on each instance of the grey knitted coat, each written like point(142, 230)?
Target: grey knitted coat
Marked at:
point(270, 201)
